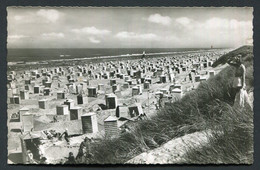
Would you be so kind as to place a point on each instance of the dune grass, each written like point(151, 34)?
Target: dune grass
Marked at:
point(232, 139)
point(207, 107)
point(245, 51)
point(235, 142)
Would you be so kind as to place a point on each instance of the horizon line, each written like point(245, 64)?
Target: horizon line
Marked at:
point(120, 47)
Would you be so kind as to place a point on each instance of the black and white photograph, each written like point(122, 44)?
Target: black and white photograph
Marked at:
point(130, 85)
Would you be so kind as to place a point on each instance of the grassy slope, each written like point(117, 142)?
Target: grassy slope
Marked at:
point(235, 143)
point(207, 107)
point(245, 51)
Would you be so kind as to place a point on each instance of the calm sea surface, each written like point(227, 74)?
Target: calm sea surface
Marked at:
point(43, 54)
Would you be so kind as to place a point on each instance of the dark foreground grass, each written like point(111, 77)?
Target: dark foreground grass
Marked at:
point(232, 139)
point(207, 107)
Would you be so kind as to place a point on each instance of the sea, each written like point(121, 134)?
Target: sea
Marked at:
point(46, 54)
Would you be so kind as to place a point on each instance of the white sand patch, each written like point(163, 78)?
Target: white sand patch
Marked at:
point(173, 151)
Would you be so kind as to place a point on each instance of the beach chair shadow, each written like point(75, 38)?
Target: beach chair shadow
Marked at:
point(16, 158)
point(16, 130)
point(14, 120)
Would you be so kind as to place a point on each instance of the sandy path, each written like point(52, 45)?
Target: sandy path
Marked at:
point(173, 151)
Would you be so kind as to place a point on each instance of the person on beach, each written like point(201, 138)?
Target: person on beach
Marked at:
point(239, 84)
point(55, 118)
point(71, 159)
point(190, 76)
point(84, 154)
point(30, 157)
point(82, 148)
point(66, 136)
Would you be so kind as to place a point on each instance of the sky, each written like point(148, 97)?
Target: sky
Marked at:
point(64, 27)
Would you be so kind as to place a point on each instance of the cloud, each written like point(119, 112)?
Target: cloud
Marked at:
point(26, 19)
point(216, 23)
point(93, 40)
point(91, 30)
point(53, 35)
point(131, 35)
point(159, 19)
point(222, 32)
point(16, 36)
point(183, 20)
point(41, 16)
point(51, 15)
point(222, 23)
